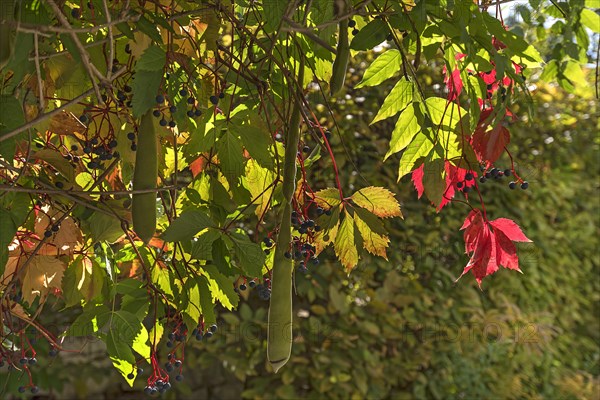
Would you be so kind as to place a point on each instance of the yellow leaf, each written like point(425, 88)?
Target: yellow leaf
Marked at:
point(372, 242)
point(328, 198)
point(345, 247)
point(67, 239)
point(259, 182)
point(324, 238)
point(378, 201)
point(43, 274)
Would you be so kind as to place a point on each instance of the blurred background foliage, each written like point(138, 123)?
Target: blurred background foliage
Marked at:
point(404, 328)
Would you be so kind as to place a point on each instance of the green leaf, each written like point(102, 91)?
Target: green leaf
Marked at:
point(434, 181)
point(345, 247)
point(203, 244)
point(104, 227)
point(207, 306)
point(405, 130)
point(250, 256)
point(274, 11)
point(145, 88)
point(372, 34)
point(149, 29)
point(161, 278)
point(153, 59)
point(221, 287)
point(118, 350)
point(124, 325)
point(93, 318)
point(384, 67)
point(414, 154)
point(8, 229)
point(255, 138)
point(187, 225)
point(590, 19)
point(397, 100)
point(11, 117)
point(123, 366)
point(231, 157)
point(140, 343)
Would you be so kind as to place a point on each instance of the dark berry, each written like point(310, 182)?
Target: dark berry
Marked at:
point(173, 109)
point(482, 179)
point(524, 185)
point(169, 367)
point(179, 378)
point(94, 141)
point(252, 284)
point(112, 144)
point(214, 99)
point(495, 172)
point(315, 261)
point(172, 124)
point(197, 113)
point(121, 96)
point(156, 113)
point(459, 185)
point(351, 23)
point(221, 95)
point(133, 147)
point(306, 149)
point(190, 113)
point(328, 212)
point(148, 390)
point(169, 344)
point(467, 189)
point(160, 99)
point(317, 228)
point(512, 185)
point(213, 328)
point(469, 176)
point(287, 254)
point(131, 136)
point(177, 364)
point(87, 150)
point(127, 88)
point(23, 361)
point(60, 185)
point(208, 334)
point(33, 360)
point(35, 389)
point(163, 122)
point(83, 118)
point(75, 13)
point(130, 375)
point(21, 389)
point(191, 100)
point(183, 92)
point(127, 49)
point(74, 148)
point(199, 337)
point(55, 228)
point(243, 286)
point(507, 172)
point(53, 353)
point(171, 336)
point(354, 32)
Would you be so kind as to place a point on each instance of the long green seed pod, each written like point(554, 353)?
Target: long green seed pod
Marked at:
point(279, 341)
point(340, 65)
point(145, 174)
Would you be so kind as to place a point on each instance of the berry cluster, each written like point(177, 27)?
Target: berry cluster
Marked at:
point(498, 174)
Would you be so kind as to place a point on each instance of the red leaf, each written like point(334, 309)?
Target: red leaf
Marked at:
point(489, 248)
point(489, 146)
point(417, 179)
point(510, 229)
point(507, 252)
point(198, 165)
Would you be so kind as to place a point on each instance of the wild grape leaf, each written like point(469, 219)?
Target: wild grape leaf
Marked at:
point(370, 35)
point(414, 154)
point(250, 256)
point(490, 248)
point(510, 229)
point(345, 245)
point(384, 67)
point(187, 225)
point(397, 100)
point(221, 287)
point(489, 145)
point(372, 242)
point(44, 273)
point(259, 182)
point(379, 201)
point(153, 59)
point(328, 198)
point(405, 131)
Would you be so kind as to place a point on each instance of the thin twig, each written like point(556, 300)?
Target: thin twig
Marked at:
point(38, 72)
point(45, 29)
point(91, 192)
point(111, 44)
